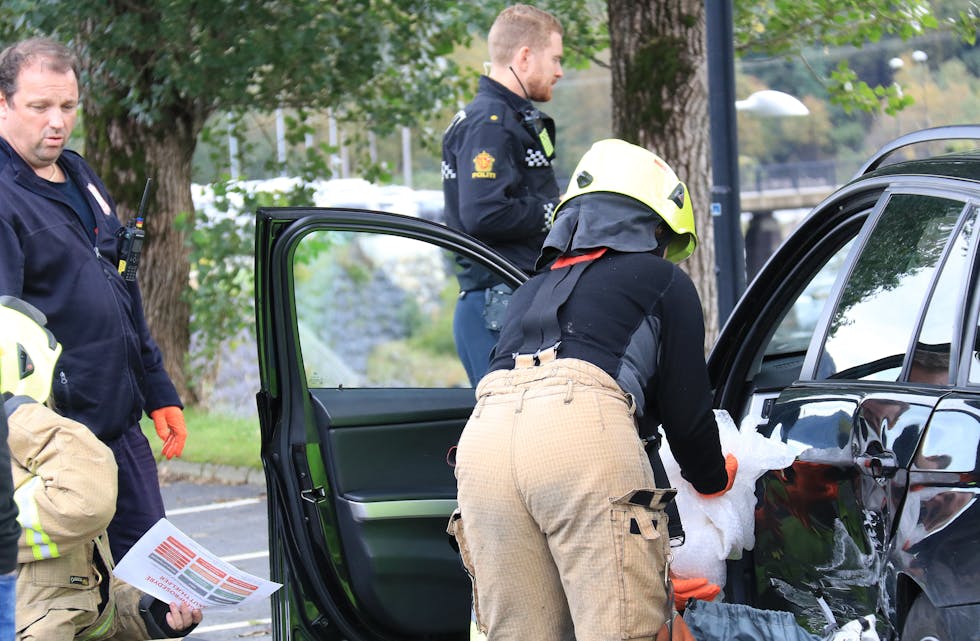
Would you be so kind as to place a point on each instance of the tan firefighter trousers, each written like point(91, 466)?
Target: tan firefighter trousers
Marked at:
point(559, 522)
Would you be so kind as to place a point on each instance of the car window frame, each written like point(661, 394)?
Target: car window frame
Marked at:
point(968, 333)
point(925, 186)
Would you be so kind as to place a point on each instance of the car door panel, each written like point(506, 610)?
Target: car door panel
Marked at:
point(358, 454)
point(935, 546)
point(831, 516)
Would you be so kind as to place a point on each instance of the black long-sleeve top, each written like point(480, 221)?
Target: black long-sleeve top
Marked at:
point(638, 317)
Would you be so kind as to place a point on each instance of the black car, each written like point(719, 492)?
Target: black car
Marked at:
point(860, 339)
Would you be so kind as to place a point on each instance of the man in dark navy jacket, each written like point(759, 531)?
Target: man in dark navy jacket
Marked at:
point(59, 251)
point(497, 177)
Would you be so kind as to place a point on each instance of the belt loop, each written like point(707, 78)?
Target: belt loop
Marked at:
point(547, 355)
point(520, 402)
point(523, 360)
point(569, 386)
point(631, 404)
point(479, 405)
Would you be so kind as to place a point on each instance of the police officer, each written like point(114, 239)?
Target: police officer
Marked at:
point(560, 521)
point(498, 180)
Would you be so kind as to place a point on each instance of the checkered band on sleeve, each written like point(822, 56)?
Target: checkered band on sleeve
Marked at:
point(549, 210)
point(535, 158)
point(448, 173)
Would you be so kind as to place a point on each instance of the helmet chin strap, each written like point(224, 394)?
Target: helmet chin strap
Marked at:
point(516, 77)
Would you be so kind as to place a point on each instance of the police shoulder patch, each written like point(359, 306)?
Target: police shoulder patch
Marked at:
point(483, 165)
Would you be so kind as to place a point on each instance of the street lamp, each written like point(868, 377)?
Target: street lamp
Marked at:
point(920, 57)
point(763, 234)
point(769, 102)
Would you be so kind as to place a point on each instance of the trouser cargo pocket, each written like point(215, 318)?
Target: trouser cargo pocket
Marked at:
point(457, 535)
point(639, 529)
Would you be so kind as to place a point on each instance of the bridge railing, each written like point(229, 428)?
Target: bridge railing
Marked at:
point(792, 175)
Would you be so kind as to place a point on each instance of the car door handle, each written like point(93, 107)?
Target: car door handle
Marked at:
point(881, 465)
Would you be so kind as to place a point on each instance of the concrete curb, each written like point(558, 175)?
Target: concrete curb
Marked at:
point(176, 470)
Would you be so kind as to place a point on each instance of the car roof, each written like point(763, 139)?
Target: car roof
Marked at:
point(961, 165)
point(920, 146)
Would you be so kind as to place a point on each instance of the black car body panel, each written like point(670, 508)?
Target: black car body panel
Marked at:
point(826, 349)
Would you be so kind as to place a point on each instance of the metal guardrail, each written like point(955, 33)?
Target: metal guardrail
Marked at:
point(792, 175)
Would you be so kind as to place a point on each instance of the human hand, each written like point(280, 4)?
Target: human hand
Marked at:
point(731, 467)
point(686, 589)
point(182, 617)
point(170, 427)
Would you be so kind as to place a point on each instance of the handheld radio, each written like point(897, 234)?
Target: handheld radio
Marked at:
point(131, 239)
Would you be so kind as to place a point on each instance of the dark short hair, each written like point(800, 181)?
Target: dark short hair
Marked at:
point(53, 55)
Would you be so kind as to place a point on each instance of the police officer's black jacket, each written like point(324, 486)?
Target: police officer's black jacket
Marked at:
point(498, 181)
point(110, 368)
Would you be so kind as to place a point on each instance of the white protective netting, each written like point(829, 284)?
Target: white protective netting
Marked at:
point(720, 528)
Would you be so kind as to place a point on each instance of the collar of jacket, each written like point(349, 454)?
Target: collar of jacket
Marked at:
point(11, 403)
point(516, 102)
point(25, 175)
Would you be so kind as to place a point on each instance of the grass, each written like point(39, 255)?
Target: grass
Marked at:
point(214, 438)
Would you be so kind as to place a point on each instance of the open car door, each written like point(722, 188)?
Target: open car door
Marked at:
point(362, 396)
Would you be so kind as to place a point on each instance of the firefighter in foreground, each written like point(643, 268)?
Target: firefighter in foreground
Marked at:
point(65, 487)
point(560, 522)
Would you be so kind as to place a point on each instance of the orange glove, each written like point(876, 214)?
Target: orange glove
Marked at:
point(685, 589)
point(731, 466)
point(169, 423)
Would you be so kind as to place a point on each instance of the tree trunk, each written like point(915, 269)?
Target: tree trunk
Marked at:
point(660, 101)
point(125, 153)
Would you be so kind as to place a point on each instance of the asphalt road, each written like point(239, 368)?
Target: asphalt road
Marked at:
point(230, 521)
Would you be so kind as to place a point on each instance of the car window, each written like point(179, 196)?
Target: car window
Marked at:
point(375, 310)
point(930, 360)
point(796, 328)
point(873, 324)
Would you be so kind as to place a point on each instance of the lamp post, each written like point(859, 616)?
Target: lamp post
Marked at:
point(920, 57)
point(725, 206)
point(763, 234)
point(726, 209)
point(895, 64)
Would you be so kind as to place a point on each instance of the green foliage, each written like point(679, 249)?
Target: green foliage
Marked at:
point(853, 94)
point(384, 58)
point(221, 292)
point(784, 27)
point(967, 23)
point(434, 334)
point(787, 27)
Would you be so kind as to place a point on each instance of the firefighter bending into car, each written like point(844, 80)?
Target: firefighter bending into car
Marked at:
point(560, 522)
point(65, 488)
